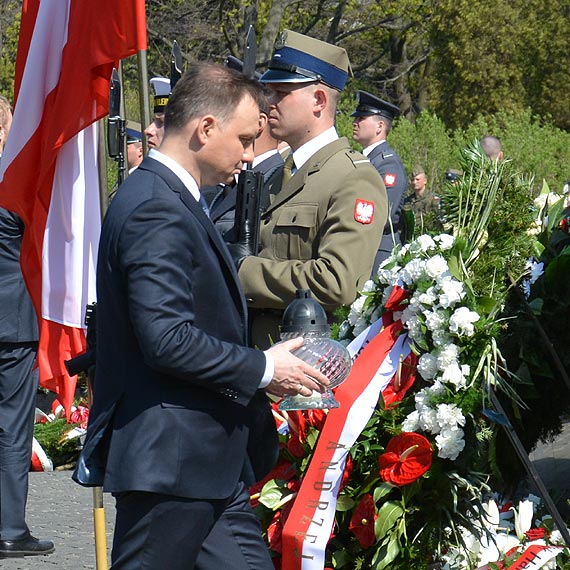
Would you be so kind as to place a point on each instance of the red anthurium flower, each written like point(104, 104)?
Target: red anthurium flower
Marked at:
point(362, 521)
point(402, 381)
point(408, 456)
point(298, 424)
point(316, 418)
point(295, 446)
point(80, 416)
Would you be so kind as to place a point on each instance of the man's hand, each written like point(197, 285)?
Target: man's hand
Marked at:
point(293, 376)
point(239, 251)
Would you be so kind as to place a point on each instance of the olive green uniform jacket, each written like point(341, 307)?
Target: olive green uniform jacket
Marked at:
point(320, 232)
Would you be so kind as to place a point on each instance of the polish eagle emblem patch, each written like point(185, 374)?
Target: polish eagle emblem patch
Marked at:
point(389, 179)
point(363, 211)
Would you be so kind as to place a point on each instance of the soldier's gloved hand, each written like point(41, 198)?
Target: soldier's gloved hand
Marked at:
point(239, 251)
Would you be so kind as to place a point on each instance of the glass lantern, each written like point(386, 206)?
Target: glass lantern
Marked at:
point(305, 317)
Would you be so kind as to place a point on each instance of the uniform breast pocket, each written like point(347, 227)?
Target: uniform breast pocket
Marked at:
point(295, 232)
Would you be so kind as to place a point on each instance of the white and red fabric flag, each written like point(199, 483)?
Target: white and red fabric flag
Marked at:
point(48, 175)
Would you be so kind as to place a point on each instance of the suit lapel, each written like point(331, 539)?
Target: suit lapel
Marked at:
point(188, 200)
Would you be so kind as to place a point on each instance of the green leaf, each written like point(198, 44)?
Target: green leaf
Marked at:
point(388, 515)
point(382, 490)
point(341, 558)
point(345, 503)
point(272, 494)
point(386, 554)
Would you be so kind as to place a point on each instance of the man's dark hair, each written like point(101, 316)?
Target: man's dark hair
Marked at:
point(204, 89)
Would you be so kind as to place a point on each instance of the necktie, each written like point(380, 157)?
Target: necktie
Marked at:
point(204, 206)
point(287, 169)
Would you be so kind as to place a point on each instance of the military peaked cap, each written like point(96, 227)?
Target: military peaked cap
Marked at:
point(368, 104)
point(301, 59)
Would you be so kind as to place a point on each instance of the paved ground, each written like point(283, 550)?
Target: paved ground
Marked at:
point(61, 510)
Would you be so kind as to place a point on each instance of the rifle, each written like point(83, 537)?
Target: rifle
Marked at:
point(116, 130)
point(250, 183)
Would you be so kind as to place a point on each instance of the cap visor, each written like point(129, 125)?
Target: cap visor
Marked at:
point(279, 76)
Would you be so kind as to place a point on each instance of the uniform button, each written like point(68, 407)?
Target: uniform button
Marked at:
point(250, 299)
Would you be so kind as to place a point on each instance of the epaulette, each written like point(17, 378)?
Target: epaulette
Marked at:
point(356, 158)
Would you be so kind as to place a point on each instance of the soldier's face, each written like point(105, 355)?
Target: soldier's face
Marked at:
point(419, 182)
point(291, 112)
point(155, 131)
point(366, 129)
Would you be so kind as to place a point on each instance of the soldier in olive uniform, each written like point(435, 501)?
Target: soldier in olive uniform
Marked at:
point(422, 200)
point(372, 123)
point(325, 219)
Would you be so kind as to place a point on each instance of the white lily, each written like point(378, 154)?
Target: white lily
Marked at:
point(523, 518)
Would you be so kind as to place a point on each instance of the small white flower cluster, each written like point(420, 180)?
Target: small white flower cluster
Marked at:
point(436, 321)
point(494, 538)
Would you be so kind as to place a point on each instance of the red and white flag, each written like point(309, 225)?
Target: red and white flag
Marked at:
point(48, 175)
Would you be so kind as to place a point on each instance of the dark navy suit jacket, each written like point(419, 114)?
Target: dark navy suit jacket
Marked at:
point(18, 322)
point(175, 392)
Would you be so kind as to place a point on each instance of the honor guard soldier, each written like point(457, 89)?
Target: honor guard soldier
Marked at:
point(372, 123)
point(134, 146)
point(324, 222)
point(155, 131)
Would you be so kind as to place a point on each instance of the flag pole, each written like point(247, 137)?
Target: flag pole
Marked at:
point(144, 97)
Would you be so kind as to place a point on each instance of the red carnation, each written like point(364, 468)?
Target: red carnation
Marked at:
point(535, 533)
point(362, 521)
point(408, 456)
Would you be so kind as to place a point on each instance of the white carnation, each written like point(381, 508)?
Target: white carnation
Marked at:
point(436, 266)
point(369, 286)
point(427, 366)
point(413, 271)
point(428, 420)
point(356, 310)
point(444, 241)
point(440, 338)
point(428, 297)
point(447, 355)
point(461, 322)
point(435, 320)
point(450, 416)
point(453, 374)
point(422, 244)
point(450, 443)
point(452, 291)
point(412, 422)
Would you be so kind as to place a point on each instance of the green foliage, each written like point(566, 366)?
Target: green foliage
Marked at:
point(51, 436)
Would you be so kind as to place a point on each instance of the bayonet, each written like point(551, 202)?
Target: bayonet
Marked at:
point(116, 126)
point(249, 53)
point(175, 65)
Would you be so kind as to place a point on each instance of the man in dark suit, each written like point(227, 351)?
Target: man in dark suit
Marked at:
point(177, 392)
point(372, 123)
point(18, 383)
